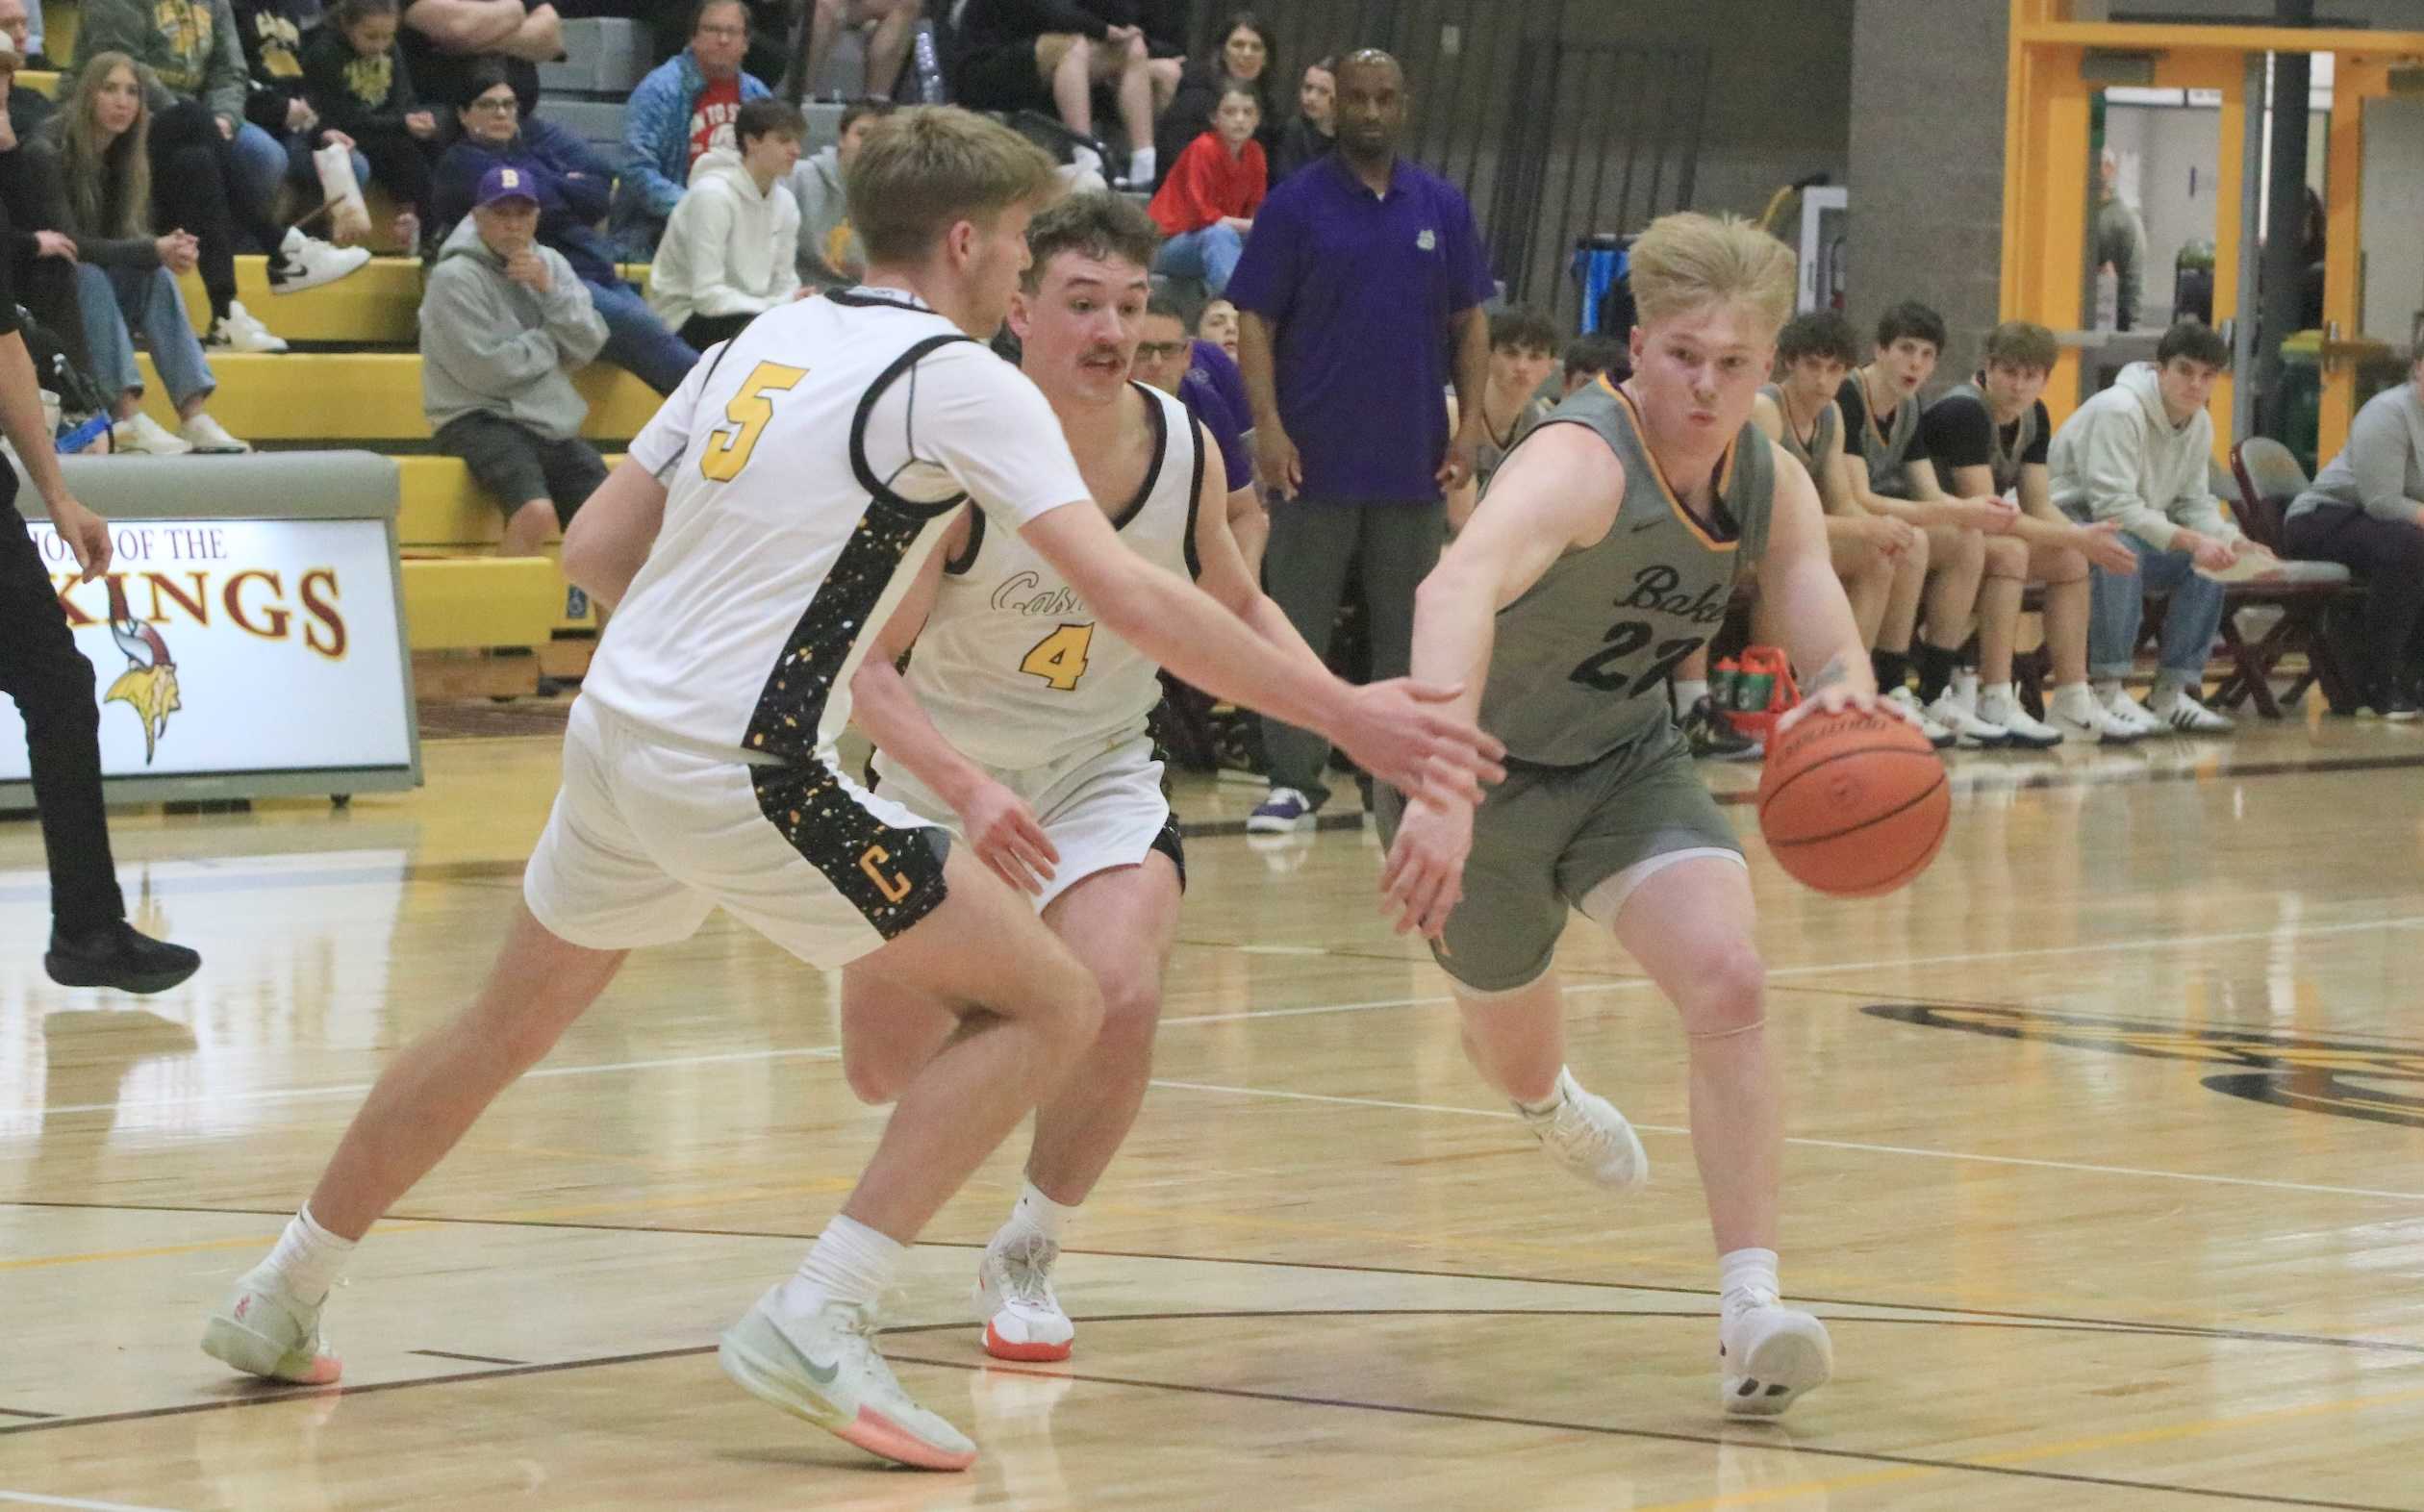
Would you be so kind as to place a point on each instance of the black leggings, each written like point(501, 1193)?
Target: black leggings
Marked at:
point(196, 188)
point(400, 163)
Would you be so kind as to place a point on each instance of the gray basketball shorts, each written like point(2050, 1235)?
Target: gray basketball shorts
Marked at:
point(1546, 837)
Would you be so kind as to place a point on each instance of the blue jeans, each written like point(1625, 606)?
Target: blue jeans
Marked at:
point(637, 341)
point(114, 299)
point(1210, 254)
point(2190, 620)
point(264, 162)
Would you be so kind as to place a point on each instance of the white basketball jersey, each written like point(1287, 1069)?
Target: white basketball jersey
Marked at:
point(810, 464)
point(1012, 666)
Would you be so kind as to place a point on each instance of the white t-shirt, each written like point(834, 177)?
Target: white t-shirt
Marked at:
point(1011, 667)
point(810, 464)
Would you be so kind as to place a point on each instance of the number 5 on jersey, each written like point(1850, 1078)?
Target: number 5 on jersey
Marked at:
point(1060, 658)
point(748, 412)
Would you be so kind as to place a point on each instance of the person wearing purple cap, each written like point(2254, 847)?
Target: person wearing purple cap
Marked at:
point(503, 324)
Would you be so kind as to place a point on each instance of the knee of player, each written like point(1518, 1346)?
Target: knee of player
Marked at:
point(2065, 565)
point(871, 1082)
point(1074, 1018)
point(1968, 549)
point(1914, 557)
point(1729, 993)
point(2007, 556)
point(1081, 52)
point(1131, 1011)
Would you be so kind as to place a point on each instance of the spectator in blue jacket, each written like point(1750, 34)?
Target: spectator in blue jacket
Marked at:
point(673, 117)
point(573, 185)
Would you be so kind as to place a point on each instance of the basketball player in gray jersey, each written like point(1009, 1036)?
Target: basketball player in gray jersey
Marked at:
point(1611, 541)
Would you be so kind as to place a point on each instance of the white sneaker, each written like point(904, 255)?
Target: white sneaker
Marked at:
point(1964, 686)
point(1971, 729)
point(2185, 716)
point(1587, 1136)
point(1768, 1356)
point(2075, 712)
point(1905, 699)
point(265, 1331)
point(1024, 1319)
point(2132, 713)
point(204, 434)
point(144, 437)
point(2000, 706)
point(303, 263)
point(239, 330)
point(824, 1368)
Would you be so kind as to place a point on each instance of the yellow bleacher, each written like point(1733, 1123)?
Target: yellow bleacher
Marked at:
point(369, 396)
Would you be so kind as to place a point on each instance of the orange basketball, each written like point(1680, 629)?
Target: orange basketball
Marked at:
point(1854, 804)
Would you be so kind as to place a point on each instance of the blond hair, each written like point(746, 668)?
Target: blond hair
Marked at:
point(1686, 261)
point(925, 170)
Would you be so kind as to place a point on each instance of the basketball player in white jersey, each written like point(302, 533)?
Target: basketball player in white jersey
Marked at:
point(763, 524)
point(1021, 724)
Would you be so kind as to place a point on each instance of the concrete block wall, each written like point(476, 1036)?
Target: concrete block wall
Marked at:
point(1926, 164)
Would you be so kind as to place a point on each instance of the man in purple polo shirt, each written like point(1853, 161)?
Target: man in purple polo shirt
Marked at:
point(1360, 300)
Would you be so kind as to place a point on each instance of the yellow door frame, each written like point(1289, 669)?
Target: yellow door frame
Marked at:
point(2046, 120)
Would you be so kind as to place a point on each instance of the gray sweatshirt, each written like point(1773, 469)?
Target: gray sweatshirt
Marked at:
point(489, 345)
point(830, 256)
point(2381, 470)
point(2120, 456)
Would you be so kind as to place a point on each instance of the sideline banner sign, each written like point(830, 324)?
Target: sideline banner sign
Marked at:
point(236, 657)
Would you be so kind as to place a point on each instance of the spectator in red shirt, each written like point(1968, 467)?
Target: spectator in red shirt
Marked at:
point(1207, 204)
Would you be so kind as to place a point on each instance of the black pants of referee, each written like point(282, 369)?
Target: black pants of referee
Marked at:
point(51, 682)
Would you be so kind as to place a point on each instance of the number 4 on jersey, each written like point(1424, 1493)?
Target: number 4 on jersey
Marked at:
point(1060, 658)
point(749, 411)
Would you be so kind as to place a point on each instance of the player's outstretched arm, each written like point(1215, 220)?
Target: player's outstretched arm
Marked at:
point(1802, 605)
point(1222, 569)
point(1007, 835)
point(608, 540)
point(1398, 730)
point(1560, 489)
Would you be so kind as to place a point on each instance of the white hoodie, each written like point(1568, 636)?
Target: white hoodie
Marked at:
point(2120, 456)
point(728, 248)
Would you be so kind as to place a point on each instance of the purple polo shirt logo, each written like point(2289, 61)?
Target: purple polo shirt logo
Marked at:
point(1428, 242)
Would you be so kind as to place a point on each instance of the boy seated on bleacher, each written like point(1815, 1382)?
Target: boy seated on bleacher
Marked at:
point(503, 324)
point(2136, 454)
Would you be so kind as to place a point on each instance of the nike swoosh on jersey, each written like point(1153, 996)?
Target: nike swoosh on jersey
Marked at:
point(1648, 524)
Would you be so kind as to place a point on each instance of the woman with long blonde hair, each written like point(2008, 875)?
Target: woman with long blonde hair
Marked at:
point(96, 151)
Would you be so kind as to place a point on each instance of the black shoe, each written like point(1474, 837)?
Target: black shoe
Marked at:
point(1713, 737)
point(121, 956)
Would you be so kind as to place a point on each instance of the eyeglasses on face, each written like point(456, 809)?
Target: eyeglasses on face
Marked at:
point(1159, 351)
point(508, 104)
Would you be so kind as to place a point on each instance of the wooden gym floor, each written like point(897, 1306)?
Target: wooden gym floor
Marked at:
point(2107, 1174)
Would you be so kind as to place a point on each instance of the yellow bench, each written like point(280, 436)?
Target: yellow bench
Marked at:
point(379, 304)
point(368, 396)
point(481, 603)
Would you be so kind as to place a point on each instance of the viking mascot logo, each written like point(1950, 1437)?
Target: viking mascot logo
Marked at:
point(149, 684)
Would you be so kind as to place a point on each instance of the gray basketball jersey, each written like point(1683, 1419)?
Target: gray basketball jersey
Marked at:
point(1887, 449)
point(1582, 659)
point(1822, 436)
point(2002, 459)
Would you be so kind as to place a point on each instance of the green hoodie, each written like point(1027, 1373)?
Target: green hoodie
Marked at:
point(191, 46)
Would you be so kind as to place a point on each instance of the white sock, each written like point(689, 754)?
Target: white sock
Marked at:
point(1688, 692)
point(1038, 1214)
point(1085, 160)
point(309, 1259)
point(2073, 701)
point(1141, 166)
point(850, 1263)
point(2107, 689)
point(1547, 1106)
point(1745, 1278)
point(2168, 687)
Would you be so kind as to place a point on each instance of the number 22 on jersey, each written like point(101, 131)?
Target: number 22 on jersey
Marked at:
point(1060, 658)
point(748, 414)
